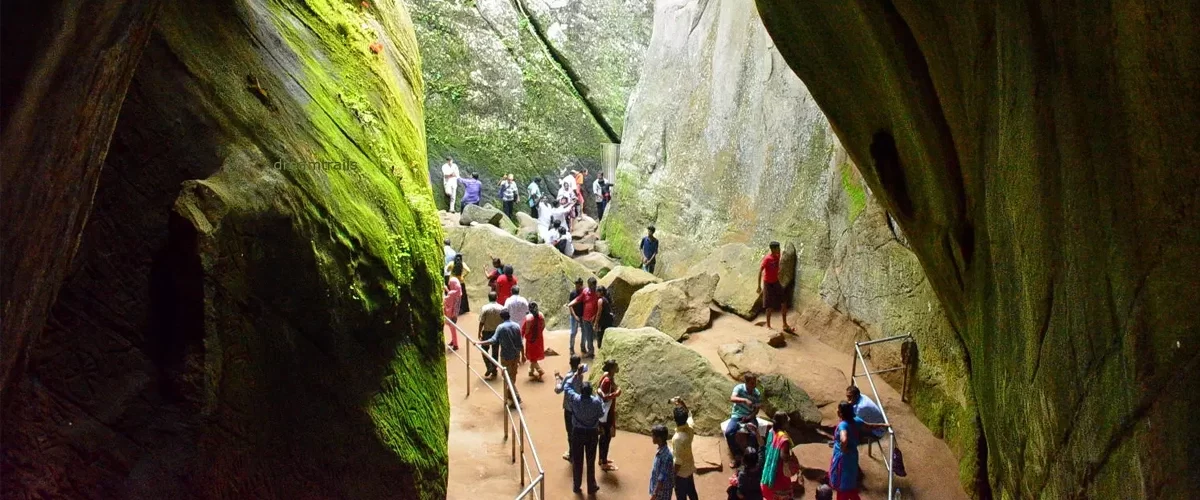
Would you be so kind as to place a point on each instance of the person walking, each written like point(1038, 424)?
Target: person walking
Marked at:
point(606, 316)
point(746, 398)
point(586, 410)
point(450, 176)
point(780, 465)
point(535, 196)
point(768, 280)
point(458, 269)
point(843, 466)
point(472, 190)
point(649, 248)
point(681, 449)
point(450, 305)
point(608, 423)
point(662, 474)
point(533, 329)
point(508, 195)
point(588, 324)
point(517, 306)
point(574, 378)
point(508, 336)
point(504, 284)
point(489, 320)
point(576, 311)
point(600, 193)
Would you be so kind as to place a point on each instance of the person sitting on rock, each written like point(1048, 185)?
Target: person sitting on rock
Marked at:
point(869, 412)
point(567, 244)
point(768, 280)
point(746, 398)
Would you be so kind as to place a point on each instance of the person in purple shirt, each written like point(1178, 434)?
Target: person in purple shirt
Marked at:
point(471, 189)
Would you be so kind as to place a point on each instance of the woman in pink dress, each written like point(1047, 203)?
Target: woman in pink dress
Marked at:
point(450, 303)
point(533, 330)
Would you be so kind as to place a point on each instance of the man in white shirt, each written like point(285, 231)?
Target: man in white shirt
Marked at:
point(535, 197)
point(598, 190)
point(450, 182)
point(517, 306)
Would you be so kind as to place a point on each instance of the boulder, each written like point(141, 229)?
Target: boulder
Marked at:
point(737, 266)
point(655, 368)
point(584, 226)
point(587, 239)
point(602, 247)
point(675, 307)
point(525, 220)
point(824, 383)
point(622, 282)
point(781, 394)
point(778, 340)
point(482, 214)
point(527, 228)
point(544, 275)
point(583, 248)
point(597, 263)
point(787, 265)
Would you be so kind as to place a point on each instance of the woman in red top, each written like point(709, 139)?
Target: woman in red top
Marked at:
point(608, 423)
point(533, 331)
point(450, 305)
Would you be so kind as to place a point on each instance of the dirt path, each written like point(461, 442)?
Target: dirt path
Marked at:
point(480, 466)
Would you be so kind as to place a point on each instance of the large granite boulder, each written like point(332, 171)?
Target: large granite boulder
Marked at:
point(584, 226)
point(544, 275)
point(1058, 228)
point(597, 263)
point(253, 307)
point(622, 282)
point(781, 394)
point(737, 266)
point(528, 87)
point(673, 307)
point(758, 357)
point(527, 228)
point(484, 214)
point(449, 219)
point(656, 368)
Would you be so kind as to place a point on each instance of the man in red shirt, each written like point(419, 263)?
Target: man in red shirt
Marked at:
point(589, 297)
point(504, 284)
point(768, 279)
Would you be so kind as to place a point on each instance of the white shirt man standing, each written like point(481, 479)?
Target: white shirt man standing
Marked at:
point(450, 176)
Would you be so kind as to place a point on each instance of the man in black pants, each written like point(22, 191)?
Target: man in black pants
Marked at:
point(574, 379)
point(586, 410)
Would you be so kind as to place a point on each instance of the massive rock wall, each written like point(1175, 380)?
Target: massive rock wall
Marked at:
point(1041, 157)
point(241, 321)
point(527, 87)
point(724, 145)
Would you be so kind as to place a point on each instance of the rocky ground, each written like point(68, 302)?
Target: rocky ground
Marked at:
point(673, 340)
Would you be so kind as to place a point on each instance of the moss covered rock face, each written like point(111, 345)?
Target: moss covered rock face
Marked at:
point(527, 87)
point(1041, 159)
point(253, 310)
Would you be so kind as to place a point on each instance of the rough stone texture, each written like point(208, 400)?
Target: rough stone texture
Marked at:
point(583, 226)
point(759, 357)
point(601, 247)
point(675, 307)
point(622, 282)
point(544, 275)
point(597, 263)
point(449, 219)
point(527, 87)
point(231, 328)
point(1041, 159)
point(739, 152)
point(655, 368)
point(65, 74)
point(742, 155)
point(480, 214)
point(780, 394)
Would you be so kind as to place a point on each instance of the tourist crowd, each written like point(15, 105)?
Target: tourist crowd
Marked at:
point(512, 328)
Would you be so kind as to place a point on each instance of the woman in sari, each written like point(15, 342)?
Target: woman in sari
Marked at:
point(843, 467)
point(458, 269)
point(608, 423)
point(450, 305)
point(780, 465)
point(532, 329)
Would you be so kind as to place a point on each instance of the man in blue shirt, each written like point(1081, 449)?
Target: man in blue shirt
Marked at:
point(574, 379)
point(869, 412)
point(662, 475)
point(586, 410)
point(649, 248)
point(508, 337)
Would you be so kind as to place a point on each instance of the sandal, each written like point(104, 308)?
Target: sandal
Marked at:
point(608, 467)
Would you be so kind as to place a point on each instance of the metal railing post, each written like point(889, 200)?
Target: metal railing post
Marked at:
point(468, 377)
point(520, 466)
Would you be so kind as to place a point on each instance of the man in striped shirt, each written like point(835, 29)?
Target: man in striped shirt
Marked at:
point(586, 410)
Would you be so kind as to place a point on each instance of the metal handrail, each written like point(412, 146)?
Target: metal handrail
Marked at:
point(893, 492)
point(514, 425)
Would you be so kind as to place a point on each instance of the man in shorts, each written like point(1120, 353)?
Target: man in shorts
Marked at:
point(768, 282)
